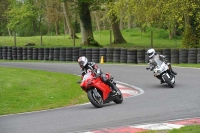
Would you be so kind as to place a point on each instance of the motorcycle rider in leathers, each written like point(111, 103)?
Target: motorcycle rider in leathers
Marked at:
point(151, 54)
point(90, 66)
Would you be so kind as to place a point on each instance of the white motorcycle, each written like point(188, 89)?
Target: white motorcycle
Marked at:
point(162, 71)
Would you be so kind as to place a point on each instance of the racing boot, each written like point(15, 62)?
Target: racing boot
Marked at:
point(161, 81)
point(173, 72)
point(170, 67)
point(113, 87)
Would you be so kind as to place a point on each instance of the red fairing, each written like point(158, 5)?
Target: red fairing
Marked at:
point(89, 81)
point(103, 87)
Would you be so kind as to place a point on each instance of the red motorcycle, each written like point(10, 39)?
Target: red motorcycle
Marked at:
point(98, 92)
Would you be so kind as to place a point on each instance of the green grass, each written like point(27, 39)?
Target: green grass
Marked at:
point(23, 90)
point(187, 65)
point(48, 41)
point(185, 129)
point(134, 38)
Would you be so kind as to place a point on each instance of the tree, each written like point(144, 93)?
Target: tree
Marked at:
point(20, 16)
point(26, 16)
point(86, 23)
point(118, 38)
point(68, 20)
point(182, 14)
point(96, 20)
point(3, 18)
point(192, 24)
point(54, 14)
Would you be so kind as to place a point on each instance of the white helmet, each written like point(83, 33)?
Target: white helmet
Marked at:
point(151, 52)
point(82, 61)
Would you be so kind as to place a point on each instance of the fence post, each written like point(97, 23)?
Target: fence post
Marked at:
point(15, 38)
point(151, 39)
point(40, 38)
point(110, 37)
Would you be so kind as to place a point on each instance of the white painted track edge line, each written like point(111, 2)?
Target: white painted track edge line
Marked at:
point(135, 87)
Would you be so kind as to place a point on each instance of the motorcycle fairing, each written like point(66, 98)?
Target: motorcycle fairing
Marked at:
point(95, 83)
point(159, 66)
point(107, 98)
point(104, 88)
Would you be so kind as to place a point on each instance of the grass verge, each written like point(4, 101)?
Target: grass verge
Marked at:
point(24, 90)
point(185, 129)
point(187, 65)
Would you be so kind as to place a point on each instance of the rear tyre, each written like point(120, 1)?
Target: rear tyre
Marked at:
point(97, 101)
point(168, 81)
point(119, 97)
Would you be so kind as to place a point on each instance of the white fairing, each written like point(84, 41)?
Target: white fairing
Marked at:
point(160, 66)
point(160, 70)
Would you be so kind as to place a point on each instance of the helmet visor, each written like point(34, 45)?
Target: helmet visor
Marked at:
point(81, 63)
point(149, 54)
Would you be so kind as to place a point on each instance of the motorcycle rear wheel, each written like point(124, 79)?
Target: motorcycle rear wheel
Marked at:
point(96, 101)
point(168, 81)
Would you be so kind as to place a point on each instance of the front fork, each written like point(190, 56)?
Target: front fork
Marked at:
point(96, 93)
point(97, 97)
point(171, 77)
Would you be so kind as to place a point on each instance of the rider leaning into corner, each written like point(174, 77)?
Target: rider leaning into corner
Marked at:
point(91, 66)
point(151, 54)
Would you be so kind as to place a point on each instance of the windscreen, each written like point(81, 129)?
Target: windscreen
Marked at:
point(156, 61)
point(86, 76)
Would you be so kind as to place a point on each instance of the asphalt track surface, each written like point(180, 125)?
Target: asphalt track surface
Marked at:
point(158, 103)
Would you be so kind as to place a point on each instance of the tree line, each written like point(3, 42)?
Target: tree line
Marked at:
point(44, 17)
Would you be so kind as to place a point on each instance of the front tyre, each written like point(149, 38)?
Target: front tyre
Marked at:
point(96, 100)
point(168, 81)
point(119, 97)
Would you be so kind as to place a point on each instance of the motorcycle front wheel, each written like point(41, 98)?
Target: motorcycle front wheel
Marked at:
point(168, 81)
point(96, 100)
